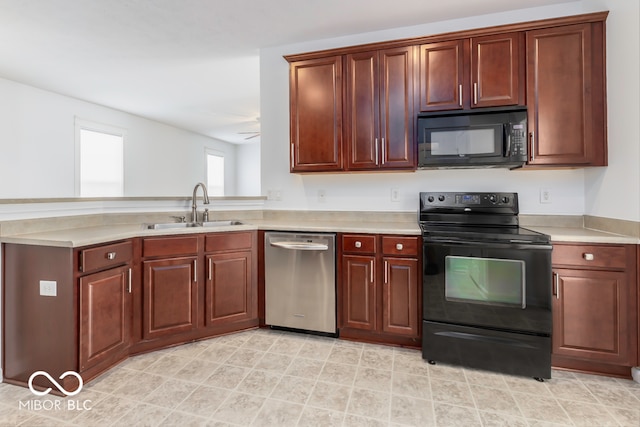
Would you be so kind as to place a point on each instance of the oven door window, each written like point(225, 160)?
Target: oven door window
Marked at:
point(485, 281)
point(485, 140)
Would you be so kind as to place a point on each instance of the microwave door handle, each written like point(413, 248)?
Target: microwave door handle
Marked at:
point(507, 138)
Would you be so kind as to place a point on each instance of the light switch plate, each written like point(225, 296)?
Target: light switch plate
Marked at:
point(48, 288)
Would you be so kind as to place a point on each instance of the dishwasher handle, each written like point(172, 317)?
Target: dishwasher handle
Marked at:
point(300, 246)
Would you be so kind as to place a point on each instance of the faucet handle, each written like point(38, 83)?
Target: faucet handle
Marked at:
point(205, 215)
point(179, 218)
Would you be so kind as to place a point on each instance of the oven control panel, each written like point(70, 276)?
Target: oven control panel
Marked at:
point(431, 200)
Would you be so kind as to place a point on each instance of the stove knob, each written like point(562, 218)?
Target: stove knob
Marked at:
point(493, 198)
point(430, 199)
point(505, 199)
point(441, 198)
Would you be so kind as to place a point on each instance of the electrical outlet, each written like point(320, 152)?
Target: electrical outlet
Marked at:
point(322, 196)
point(48, 288)
point(545, 195)
point(278, 195)
point(395, 195)
point(269, 194)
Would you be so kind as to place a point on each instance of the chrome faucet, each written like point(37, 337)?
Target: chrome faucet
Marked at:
point(194, 212)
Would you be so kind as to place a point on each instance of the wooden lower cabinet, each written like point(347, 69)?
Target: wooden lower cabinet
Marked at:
point(379, 289)
point(105, 316)
point(229, 295)
point(170, 296)
point(359, 292)
point(399, 296)
point(595, 308)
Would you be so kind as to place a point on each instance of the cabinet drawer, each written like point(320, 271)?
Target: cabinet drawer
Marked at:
point(589, 255)
point(359, 243)
point(228, 241)
point(170, 246)
point(396, 245)
point(105, 256)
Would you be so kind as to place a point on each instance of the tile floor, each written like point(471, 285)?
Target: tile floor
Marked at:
point(269, 378)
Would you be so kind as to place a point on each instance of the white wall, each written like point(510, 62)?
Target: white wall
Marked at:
point(37, 148)
point(248, 169)
point(614, 192)
point(371, 191)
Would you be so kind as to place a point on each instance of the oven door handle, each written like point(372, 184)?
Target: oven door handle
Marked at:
point(515, 244)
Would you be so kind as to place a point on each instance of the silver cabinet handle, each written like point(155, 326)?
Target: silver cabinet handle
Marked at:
point(376, 149)
point(371, 271)
point(386, 272)
point(195, 270)
point(588, 257)
point(383, 151)
point(557, 286)
point(111, 255)
point(210, 268)
point(475, 94)
point(533, 143)
point(460, 95)
point(358, 244)
point(399, 246)
point(129, 285)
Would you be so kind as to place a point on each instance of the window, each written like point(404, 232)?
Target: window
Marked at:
point(215, 172)
point(99, 160)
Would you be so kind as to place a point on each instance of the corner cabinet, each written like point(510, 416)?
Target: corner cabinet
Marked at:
point(169, 285)
point(316, 115)
point(65, 309)
point(595, 308)
point(379, 288)
point(566, 95)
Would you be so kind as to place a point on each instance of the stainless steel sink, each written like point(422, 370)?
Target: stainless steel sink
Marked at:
point(167, 225)
point(220, 223)
point(173, 225)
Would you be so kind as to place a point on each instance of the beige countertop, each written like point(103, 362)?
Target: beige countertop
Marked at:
point(584, 235)
point(78, 237)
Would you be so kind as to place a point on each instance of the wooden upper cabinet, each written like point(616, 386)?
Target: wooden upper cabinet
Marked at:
point(379, 109)
point(442, 73)
point(316, 114)
point(566, 95)
point(483, 71)
point(497, 70)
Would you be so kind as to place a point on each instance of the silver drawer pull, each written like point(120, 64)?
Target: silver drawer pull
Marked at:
point(399, 246)
point(358, 244)
point(111, 255)
point(588, 257)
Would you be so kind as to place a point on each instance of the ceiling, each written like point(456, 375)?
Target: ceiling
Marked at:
point(193, 64)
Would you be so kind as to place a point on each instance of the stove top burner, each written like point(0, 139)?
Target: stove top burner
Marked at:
point(479, 217)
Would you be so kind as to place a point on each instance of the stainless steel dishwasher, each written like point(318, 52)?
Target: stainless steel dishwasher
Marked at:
point(300, 281)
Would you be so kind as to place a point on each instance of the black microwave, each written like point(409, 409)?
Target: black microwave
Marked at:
point(473, 139)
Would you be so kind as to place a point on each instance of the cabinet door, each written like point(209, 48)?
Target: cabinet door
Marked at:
point(363, 118)
point(316, 114)
point(442, 75)
point(170, 297)
point(400, 296)
point(396, 108)
point(565, 96)
point(105, 316)
point(497, 70)
point(228, 288)
point(591, 316)
point(358, 292)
